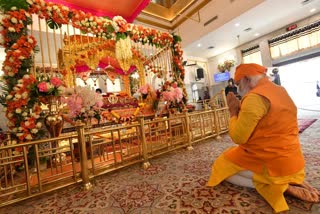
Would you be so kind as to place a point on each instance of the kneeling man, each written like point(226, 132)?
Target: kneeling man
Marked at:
point(268, 156)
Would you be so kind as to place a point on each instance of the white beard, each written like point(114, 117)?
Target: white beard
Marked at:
point(244, 91)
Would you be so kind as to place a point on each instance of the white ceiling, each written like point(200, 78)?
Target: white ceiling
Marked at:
point(265, 18)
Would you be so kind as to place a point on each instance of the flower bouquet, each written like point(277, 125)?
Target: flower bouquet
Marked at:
point(172, 95)
point(144, 91)
point(84, 104)
point(49, 85)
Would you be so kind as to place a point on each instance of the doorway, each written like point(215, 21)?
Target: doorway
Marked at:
point(300, 80)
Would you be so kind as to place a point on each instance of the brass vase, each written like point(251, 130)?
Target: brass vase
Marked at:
point(53, 121)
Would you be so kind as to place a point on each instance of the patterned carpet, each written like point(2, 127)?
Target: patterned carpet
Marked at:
point(305, 123)
point(175, 183)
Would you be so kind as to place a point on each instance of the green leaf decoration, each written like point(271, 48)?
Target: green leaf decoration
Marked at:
point(176, 38)
point(121, 36)
point(53, 25)
point(110, 29)
point(6, 5)
point(70, 14)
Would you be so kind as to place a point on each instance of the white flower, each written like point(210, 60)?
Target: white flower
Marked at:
point(30, 2)
point(14, 129)
point(24, 114)
point(10, 115)
point(30, 40)
point(26, 76)
point(14, 20)
point(11, 29)
point(19, 134)
point(29, 137)
point(39, 125)
point(65, 8)
point(18, 111)
point(18, 96)
point(24, 95)
point(11, 74)
point(42, 3)
point(13, 8)
point(34, 131)
point(9, 97)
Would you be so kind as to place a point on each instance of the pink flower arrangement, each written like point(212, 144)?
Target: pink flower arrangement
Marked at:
point(49, 85)
point(84, 104)
point(145, 89)
point(56, 82)
point(173, 95)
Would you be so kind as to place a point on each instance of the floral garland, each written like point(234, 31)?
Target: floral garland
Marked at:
point(20, 47)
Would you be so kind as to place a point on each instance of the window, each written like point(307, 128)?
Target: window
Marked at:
point(252, 55)
point(292, 42)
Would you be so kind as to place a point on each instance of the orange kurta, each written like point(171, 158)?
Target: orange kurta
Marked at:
point(261, 146)
point(274, 144)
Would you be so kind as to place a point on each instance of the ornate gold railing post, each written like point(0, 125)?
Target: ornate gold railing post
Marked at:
point(188, 128)
point(146, 162)
point(83, 156)
point(217, 123)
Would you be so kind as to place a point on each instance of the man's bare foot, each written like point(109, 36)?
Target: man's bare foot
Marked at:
point(309, 187)
point(303, 193)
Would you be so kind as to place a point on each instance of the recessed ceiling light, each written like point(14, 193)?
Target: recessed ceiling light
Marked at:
point(256, 34)
point(313, 10)
point(237, 24)
point(199, 45)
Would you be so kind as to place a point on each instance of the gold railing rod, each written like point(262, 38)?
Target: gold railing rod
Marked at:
point(83, 156)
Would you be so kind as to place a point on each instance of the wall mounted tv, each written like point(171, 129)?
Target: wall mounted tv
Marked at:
point(220, 77)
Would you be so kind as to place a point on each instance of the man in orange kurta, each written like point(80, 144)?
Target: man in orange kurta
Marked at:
point(268, 156)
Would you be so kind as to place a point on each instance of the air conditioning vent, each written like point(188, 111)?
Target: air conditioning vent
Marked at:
point(248, 29)
point(210, 47)
point(210, 20)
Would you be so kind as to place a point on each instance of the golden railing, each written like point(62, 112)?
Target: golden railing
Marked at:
point(87, 153)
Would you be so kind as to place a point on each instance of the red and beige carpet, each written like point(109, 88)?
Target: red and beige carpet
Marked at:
point(305, 123)
point(175, 183)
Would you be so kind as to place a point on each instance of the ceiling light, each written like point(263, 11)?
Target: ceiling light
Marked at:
point(199, 45)
point(210, 47)
point(256, 34)
point(312, 10)
point(237, 24)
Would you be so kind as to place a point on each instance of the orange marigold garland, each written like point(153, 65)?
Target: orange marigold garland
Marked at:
point(120, 119)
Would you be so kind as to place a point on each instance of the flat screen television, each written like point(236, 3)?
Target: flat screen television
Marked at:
point(220, 77)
